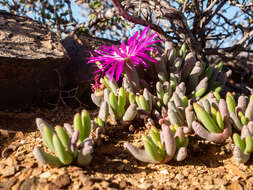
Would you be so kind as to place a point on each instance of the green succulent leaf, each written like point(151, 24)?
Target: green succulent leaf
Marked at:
point(63, 136)
point(216, 93)
point(173, 128)
point(213, 112)
point(206, 119)
point(143, 103)
point(155, 136)
point(46, 158)
point(200, 92)
point(111, 85)
point(121, 101)
point(219, 120)
point(137, 99)
point(209, 71)
point(249, 145)
point(181, 142)
point(230, 102)
point(78, 126)
point(85, 117)
point(244, 120)
point(220, 65)
point(185, 142)
point(114, 104)
point(173, 84)
point(99, 121)
point(47, 137)
point(239, 142)
point(159, 90)
point(64, 156)
point(166, 98)
point(185, 101)
point(183, 51)
point(131, 98)
point(151, 148)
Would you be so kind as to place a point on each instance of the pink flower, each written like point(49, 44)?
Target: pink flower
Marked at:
point(97, 85)
point(112, 59)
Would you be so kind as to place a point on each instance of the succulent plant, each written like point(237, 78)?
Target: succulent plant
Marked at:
point(113, 60)
point(98, 95)
point(178, 114)
point(177, 66)
point(243, 144)
point(123, 112)
point(161, 147)
point(69, 144)
point(114, 101)
point(143, 101)
point(213, 121)
point(103, 113)
point(242, 112)
point(164, 92)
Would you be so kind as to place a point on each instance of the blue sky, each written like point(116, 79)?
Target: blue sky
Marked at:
point(77, 11)
point(80, 16)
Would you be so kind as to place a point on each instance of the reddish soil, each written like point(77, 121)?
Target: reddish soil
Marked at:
point(208, 166)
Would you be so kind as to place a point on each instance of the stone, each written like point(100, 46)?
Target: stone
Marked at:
point(62, 181)
point(8, 171)
point(78, 72)
point(46, 174)
point(28, 184)
point(8, 184)
point(30, 54)
point(120, 168)
point(37, 69)
point(165, 172)
point(85, 180)
point(235, 186)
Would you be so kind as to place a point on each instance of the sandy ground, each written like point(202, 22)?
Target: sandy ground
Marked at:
point(208, 166)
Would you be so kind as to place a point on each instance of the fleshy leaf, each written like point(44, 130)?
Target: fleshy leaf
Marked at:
point(46, 158)
point(206, 119)
point(139, 154)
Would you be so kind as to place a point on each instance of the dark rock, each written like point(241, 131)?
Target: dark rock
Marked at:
point(80, 73)
point(36, 68)
point(8, 171)
point(30, 54)
point(62, 181)
point(8, 183)
point(28, 184)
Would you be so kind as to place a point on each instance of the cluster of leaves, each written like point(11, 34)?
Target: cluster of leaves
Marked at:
point(57, 14)
point(69, 144)
point(185, 100)
point(210, 28)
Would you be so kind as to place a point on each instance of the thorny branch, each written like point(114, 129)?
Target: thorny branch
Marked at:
point(198, 35)
point(63, 95)
point(137, 20)
point(204, 25)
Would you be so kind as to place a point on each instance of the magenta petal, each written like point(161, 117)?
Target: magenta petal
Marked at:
point(133, 38)
point(119, 70)
point(112, 58)
point(145, 56)
point(108, 71)
point(117, 51)
point(143, 33)
point(113, 71)
point(123, 46)
point(139, 60)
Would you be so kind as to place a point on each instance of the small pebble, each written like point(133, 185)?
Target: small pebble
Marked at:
point(45, 175)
